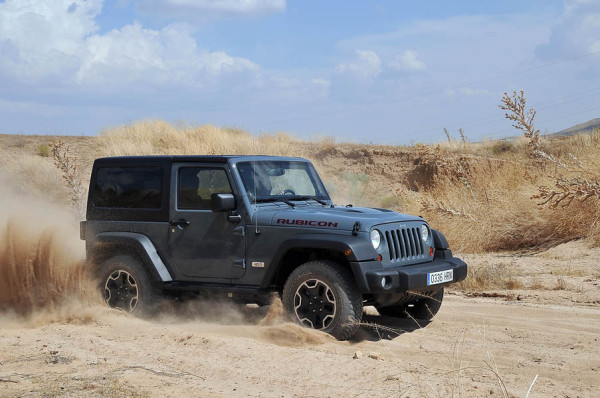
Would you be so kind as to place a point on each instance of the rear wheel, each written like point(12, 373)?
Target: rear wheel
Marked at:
point(323, 296)
point(424, 308)
point(127, 286)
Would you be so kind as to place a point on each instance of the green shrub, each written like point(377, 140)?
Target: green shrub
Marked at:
point(502, 146)
point(43, 150)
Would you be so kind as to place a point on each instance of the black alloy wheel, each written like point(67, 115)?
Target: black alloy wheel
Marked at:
point(120, 291)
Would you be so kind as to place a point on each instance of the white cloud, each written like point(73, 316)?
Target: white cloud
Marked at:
point(408, 61)
point(577, 32)
point(40, 39)
point(366, 64)
point(58, 40)
point(194, 10)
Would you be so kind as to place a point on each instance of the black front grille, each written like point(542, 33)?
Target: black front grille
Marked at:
point(404, 243)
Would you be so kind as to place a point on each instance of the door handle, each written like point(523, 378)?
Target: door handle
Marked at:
point(234, 218)
point(180, 223)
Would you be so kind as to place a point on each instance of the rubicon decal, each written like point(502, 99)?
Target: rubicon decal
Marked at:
point(310, 223)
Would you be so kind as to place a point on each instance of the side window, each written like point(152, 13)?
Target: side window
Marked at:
point(197, 184)
point(129, 187)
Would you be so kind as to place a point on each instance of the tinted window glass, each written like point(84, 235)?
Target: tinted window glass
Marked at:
point(197, 184)
point(129, 187)
point(265, 180)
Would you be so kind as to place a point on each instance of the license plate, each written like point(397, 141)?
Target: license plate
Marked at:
point(433, 278)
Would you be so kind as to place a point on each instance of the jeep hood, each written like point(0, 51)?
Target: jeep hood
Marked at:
point(338, 218)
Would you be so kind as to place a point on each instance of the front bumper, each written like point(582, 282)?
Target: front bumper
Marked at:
point(369, 274)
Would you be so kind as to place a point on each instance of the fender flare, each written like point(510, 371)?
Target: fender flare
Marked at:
point(439, 240)
point(360, 249)
point(143, 247)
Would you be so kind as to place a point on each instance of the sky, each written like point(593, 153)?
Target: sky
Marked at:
point(384, 72)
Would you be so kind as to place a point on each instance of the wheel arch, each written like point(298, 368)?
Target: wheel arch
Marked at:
point(342, 249)
point(139, 246)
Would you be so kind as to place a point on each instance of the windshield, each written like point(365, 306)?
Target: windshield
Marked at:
point(286, 180)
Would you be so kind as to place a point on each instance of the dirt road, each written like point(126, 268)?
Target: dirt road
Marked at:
point(474, 347)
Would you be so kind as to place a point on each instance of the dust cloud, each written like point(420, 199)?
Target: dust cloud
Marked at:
point(41, 257)
point(43, 280)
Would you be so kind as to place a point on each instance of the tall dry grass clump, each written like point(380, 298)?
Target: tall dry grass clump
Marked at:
point(32, 176)
point(41, 257)
point(157, 137)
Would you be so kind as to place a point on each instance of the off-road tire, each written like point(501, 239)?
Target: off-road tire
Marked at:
point(337, 297)
point(424, 308)
point(126, 285)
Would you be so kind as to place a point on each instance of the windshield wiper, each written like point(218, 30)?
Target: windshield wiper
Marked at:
point(273, 199)
point(306, 197)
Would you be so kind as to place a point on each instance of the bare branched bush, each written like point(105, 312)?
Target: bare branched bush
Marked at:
point(69, 167)
point(567, 191)
point(438, 206)
point(516, 111)
point(447, 135)
point(571, 180)
point(463, 138)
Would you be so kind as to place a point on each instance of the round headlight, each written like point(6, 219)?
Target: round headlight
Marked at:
point(375, 238)
point(424, 232)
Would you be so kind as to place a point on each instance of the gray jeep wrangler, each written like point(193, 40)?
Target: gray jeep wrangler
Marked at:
point(251, 226)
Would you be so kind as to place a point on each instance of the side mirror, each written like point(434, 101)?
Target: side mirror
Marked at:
point(222, 202)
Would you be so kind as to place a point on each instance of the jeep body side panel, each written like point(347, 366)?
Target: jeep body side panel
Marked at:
point(205, 245)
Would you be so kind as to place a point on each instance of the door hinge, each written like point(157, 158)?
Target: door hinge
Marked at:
point(241, 230)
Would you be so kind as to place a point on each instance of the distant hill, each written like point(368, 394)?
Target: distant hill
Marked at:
point(580, 128)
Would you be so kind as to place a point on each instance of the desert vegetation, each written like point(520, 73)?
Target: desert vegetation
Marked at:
point(530, 193)
point(524, 213)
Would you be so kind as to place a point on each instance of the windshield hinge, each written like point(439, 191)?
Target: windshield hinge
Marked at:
point(356, 228)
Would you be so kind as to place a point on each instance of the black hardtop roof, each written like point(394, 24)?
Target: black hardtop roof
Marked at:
point(191, 158)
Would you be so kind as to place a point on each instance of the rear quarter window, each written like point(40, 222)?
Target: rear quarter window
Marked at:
point(129, 187)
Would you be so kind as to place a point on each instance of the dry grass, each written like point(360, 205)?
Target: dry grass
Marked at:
point(561, 284)
point(536, 284)
point(157, 137)
point(478, 194)
point(490, 277)
point(491, 209)
point(535, 193)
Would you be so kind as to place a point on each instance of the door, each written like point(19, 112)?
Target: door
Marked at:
point(203, 243)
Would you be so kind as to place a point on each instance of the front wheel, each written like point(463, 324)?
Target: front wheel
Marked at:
point(127, 286)
point(323, 296)
point(424, 307)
